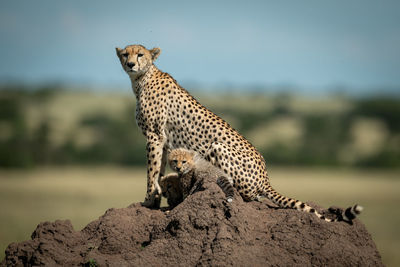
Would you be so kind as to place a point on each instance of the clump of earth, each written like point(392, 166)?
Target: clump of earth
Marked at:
point(204, 229)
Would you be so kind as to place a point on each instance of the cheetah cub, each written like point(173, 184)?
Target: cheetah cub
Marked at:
point(171, 189)
point(191, 167)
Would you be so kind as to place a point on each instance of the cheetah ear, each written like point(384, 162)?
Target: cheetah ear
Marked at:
point(118, 50)
point(155, 52)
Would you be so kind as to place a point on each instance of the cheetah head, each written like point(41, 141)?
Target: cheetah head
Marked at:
point(181, 160)
point(136, 59)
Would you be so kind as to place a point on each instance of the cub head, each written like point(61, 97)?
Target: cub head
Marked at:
point(170, 185)
point(181, 160)
point(136, 59)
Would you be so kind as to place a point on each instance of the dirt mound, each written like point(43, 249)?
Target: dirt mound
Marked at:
point(203, 230)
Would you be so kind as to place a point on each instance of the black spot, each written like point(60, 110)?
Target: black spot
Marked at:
point(349, 214)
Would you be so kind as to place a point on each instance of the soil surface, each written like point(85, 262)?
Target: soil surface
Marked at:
point(203, 230)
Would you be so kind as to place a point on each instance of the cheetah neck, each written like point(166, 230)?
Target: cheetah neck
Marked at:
point(140, 81)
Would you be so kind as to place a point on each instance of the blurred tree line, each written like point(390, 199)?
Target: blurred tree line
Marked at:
point(365, 132)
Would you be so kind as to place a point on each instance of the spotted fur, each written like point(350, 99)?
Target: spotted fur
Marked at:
point(170, 117)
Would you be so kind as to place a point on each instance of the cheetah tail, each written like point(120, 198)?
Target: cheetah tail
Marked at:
point(347, 215)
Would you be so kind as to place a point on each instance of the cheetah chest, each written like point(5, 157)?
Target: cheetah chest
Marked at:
point(150, 114)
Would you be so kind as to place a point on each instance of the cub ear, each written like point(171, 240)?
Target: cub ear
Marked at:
point(119, 50)
point(155, 52)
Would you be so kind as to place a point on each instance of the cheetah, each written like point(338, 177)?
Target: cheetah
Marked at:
point(191, 168)
point(171, 189)
point(170, 117)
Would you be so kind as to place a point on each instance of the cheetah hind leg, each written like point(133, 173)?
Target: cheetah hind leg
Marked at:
point(213, 151)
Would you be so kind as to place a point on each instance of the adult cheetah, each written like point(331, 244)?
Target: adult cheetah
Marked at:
point(170, 117)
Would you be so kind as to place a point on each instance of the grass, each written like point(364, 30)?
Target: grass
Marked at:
point(83, 194)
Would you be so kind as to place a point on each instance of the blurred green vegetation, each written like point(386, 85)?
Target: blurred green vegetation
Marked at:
point(54, 126)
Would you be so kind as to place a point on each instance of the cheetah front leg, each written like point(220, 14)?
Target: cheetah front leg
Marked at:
point(155, 166)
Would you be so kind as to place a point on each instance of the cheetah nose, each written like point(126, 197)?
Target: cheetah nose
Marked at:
point(178, 169)
point(130, 64)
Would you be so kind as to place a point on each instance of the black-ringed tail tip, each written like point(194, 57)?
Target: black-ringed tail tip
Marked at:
point(347, 215)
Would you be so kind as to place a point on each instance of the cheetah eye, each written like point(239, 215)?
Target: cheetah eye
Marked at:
point(175, 161)
point(140, 55)
point(183, 161)
point(125, 54)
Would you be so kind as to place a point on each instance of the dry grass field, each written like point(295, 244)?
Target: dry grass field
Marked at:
point(83, 194)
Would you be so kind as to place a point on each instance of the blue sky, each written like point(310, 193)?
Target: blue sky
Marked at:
point(316, 45)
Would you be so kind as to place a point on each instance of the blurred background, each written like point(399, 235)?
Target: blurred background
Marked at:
point(315, 86)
